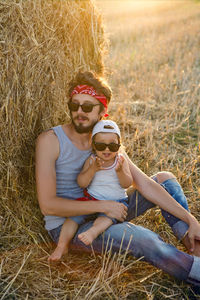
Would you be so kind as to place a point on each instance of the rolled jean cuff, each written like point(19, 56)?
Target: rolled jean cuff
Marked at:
point(194, 272)
point(180, 228)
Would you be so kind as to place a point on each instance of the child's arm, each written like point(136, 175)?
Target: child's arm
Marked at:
point(123, 172)
point(91, 166)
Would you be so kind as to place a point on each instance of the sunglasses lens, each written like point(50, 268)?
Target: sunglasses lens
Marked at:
point(73, 106)
point(113, 147)
point(100, 146)
point(87, 107)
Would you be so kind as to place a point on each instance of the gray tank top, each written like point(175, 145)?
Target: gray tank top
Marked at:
point(68, 166)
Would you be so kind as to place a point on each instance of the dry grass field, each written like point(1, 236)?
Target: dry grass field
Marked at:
point(153, 66)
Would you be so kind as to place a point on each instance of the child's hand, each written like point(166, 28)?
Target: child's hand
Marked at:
point(120, 162)
point(96, 163)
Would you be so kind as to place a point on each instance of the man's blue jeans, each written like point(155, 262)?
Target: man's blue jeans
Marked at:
point(143, 242)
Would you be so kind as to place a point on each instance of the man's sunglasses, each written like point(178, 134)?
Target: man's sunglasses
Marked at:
point(113, 147)
point(86, 107)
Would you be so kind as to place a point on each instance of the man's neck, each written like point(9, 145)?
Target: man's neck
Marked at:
point(81, 140)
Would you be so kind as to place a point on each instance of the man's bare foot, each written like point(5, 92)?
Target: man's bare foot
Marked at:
point(186, 243)
point(57, 254)
point(87, 237)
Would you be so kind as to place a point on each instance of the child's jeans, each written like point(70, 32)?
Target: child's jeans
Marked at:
point(143, 242)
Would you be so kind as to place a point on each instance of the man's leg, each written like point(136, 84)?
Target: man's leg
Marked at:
point(170, 184)
point(142, 242)
point(138, 205)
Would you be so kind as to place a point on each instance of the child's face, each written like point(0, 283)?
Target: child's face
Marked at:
point(106, 138)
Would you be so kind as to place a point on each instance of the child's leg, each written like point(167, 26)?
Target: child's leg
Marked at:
point(68, 231)
point(100, 225)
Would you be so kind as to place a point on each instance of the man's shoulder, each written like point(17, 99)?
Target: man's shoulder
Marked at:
point(47, 137)
point(49, 133)
point(47, 144)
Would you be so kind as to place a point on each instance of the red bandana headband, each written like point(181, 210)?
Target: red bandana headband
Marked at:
point(89, 90)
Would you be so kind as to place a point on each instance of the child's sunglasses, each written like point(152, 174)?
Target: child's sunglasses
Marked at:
point(113, 147)
point(86, 107)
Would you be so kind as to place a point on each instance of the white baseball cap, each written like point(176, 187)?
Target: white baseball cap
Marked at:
point(106, 126)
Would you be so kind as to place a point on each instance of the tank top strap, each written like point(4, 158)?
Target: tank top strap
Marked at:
point(62, 137)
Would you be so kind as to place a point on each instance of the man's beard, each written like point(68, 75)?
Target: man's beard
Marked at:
point(82, 129)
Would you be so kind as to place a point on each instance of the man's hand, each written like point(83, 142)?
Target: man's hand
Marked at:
point(193, 234)
point(114, 210)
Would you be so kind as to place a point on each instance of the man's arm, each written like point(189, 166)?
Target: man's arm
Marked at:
point(47, 151)
point(156, 194)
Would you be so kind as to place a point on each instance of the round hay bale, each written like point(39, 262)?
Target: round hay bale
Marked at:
point(42, 45)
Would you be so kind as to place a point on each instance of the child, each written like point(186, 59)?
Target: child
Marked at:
point(106, 175)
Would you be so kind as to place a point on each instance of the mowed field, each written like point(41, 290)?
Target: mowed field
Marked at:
point(153, 67)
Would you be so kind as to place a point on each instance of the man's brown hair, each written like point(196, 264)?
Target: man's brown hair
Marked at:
point(91, 79)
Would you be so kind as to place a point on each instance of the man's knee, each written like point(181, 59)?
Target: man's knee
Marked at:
point(162, 176)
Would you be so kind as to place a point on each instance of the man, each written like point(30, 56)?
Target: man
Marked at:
point(60, 154)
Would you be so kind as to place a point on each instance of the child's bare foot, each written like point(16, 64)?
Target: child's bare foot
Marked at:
point(186, 243)
point(87, 237)
point(57, 254)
